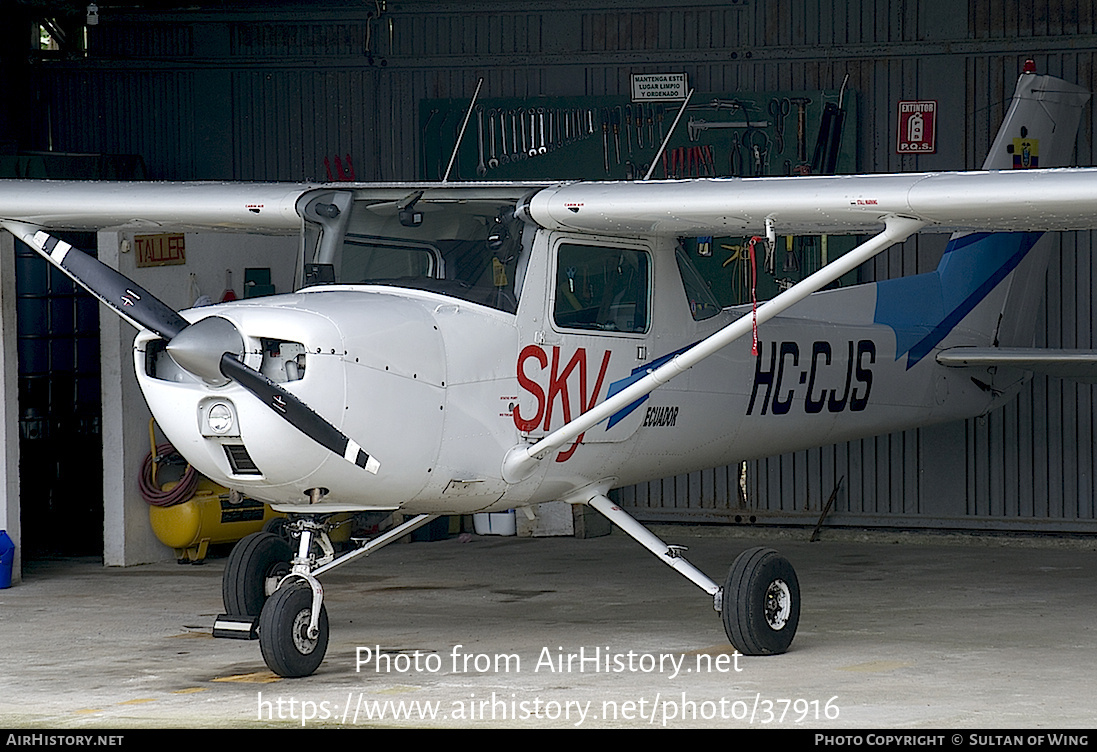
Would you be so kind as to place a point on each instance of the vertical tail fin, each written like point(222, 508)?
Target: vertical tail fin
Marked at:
point(966, 291)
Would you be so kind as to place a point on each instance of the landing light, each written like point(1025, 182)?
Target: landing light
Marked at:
point(220, 420)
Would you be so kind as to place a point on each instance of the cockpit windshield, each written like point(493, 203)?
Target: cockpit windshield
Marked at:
point(472, 249)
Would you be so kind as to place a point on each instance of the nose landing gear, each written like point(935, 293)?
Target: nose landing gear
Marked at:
point(290, 644)
point(280, 601)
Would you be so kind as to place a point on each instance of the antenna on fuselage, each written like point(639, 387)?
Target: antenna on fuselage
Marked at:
point(461, 133)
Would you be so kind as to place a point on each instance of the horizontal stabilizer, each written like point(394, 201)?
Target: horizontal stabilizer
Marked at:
point(1079, 365)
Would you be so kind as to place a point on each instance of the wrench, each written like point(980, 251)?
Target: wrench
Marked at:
point(481, 169)
point(605, 138)
point(532, 150)
point(513, 136)
point(522, 117)
point(543, 148)
point(494, 161)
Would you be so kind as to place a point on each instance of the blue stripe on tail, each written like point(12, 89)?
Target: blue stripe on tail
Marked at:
point(924, 308)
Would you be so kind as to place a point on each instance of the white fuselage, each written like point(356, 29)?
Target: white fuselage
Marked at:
point(438, 389)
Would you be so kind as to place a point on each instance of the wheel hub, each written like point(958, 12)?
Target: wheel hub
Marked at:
point(301, 639)
point(778, 604)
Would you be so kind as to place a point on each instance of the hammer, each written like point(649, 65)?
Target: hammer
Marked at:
point(801, 126)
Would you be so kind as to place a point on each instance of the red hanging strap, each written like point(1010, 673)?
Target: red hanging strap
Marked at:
point(753, 295)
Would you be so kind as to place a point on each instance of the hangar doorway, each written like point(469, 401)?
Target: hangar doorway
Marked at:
point(60, 445)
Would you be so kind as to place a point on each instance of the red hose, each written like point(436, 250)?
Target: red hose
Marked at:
point(153, 494)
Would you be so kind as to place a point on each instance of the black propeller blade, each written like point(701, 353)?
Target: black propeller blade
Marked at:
point(210, 348)
point(117, 291)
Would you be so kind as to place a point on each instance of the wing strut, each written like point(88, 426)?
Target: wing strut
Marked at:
point(521, 460)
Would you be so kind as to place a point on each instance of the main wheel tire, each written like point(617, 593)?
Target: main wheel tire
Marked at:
point(283, 632)
point(254, 568)
point(761, 603)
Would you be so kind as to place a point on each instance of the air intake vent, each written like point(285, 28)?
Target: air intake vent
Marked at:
point(240, 461)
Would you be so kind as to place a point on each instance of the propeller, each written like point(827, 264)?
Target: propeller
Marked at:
point(211, 348)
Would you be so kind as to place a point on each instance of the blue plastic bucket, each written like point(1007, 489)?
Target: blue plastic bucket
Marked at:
point(7, 559)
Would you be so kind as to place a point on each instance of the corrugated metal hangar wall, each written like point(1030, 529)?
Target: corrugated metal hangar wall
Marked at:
point(268, 94)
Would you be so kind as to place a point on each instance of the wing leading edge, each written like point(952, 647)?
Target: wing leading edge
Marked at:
point(87, 205)
point(1007, 201)
point(1016, 200)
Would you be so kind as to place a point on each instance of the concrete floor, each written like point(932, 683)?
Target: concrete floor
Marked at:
point(897, 631)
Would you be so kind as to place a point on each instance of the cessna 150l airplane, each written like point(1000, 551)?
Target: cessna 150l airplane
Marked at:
point(458, 348)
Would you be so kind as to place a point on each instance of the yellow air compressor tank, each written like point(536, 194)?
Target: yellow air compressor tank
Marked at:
point(210, 516)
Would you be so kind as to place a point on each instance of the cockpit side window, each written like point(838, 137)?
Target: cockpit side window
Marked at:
point(602, 288)
point(702, 301)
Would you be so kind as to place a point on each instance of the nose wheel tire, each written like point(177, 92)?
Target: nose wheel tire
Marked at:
point(283, 632)
point(761, 603)
point(252, 573)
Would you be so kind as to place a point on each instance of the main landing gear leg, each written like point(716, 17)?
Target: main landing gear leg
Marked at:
point(759, 602)
point(293, 623)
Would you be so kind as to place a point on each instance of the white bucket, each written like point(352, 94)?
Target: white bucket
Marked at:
point(494, 523)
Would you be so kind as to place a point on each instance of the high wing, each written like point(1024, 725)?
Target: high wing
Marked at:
point(1017, 200)
point(82, 205)
point(997, 198)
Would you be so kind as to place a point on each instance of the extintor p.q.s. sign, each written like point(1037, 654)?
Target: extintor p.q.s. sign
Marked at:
point(917, 127)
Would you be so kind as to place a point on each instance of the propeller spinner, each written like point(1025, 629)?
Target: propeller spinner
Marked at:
point(212, 348)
